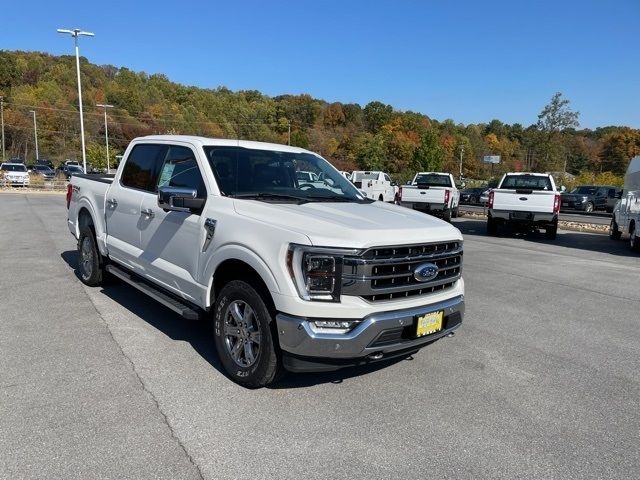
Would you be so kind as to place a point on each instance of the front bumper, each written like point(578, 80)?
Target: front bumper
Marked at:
point(376, 337)
point(16, 181)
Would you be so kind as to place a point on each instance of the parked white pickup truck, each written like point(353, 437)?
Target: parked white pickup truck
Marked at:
point(525, 201)
point(375, 185)
point(432, 192)
point(290, 275)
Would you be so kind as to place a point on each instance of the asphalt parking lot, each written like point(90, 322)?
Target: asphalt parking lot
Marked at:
point(541, 381)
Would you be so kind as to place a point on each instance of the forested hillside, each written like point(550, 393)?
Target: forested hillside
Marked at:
point(374, 136)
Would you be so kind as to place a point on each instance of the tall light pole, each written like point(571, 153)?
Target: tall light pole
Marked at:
point(2, 120)
point(75, 33)
point(461, 153)
point(106, 131)
point(35, 132)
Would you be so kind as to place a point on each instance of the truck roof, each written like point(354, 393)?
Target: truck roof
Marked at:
point(226, 142)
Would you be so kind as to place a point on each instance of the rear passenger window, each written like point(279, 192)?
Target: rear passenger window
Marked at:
point(140, 169)
point(180, 169)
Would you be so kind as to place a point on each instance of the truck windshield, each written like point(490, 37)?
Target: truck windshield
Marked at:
point(433, 180)
point(278, 176)
point(529, 182)
point(8, 167)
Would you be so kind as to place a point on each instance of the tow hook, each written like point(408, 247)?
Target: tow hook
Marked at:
point(376, 356)
point(450, 334)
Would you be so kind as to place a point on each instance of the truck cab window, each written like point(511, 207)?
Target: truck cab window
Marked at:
point(180, 169)
point(140, 169)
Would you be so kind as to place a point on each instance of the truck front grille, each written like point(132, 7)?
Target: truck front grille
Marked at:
point(387, 273)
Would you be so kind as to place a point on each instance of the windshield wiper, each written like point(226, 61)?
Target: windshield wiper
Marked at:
point(269, 196)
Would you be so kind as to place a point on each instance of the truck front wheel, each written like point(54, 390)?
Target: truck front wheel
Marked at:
point(89, 261)
point(244, 337)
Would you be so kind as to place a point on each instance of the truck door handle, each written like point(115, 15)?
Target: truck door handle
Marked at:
point(112, 202)
point(148, 213)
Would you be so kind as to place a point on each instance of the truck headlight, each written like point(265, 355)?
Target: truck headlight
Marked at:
point(317, 271)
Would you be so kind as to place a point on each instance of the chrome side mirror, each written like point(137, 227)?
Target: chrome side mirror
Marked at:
point(179, 199)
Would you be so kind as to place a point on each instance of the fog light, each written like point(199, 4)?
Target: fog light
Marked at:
point(333, 326)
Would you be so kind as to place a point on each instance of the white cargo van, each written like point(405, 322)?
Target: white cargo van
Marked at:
point(626, 214)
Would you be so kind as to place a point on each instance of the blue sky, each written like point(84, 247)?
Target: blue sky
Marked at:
point(471, 61)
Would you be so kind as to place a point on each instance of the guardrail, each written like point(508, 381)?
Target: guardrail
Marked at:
point(46, 185)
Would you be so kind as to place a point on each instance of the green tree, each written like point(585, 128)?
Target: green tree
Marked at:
point(428, 155)
point(371, 153)
point(377, 114)
point(555, 118)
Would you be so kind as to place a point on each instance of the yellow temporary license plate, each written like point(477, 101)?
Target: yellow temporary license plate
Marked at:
point(429, 323)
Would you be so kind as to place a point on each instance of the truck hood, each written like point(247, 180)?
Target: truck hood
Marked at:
point(353, 225)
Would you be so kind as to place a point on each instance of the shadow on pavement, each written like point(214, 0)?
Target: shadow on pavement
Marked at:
point(594, 242)
point(199, 335)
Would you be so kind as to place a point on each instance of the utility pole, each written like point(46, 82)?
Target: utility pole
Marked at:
point(35, 133)
point(461, 153)
point(106, 131)
point(289, 125)
point(2, 120)
point(75, 33)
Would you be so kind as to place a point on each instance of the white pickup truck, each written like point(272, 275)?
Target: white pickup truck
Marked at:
point(290, 275)
point(432, 192)
point(525, 201)
point(375, 185)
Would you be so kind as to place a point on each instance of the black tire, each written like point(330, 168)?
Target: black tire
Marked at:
point(473, 200)
point(90, 265)
point(634, 240)
point(262, 367)
point(454, 213)
point(588, 208)
point(446, 216)
point(492, 227)
point(614, 231)
point(551, 232)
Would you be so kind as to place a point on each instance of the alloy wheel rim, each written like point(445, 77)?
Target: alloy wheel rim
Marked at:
point(86, 257)
point(242, 333)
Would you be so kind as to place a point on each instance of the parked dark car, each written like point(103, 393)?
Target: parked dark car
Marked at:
point(43, 170)
point(68, 170)
point(48, 163)
point(471, 195)
point(589, 198)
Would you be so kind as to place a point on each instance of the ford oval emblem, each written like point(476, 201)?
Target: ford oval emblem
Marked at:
point(425, 272)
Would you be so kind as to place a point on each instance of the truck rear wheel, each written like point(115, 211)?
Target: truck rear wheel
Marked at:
point(244, 336)
point(634, 240)
point(551, 232)
point(89, 259)
point(492, 226)
point(446, 216)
